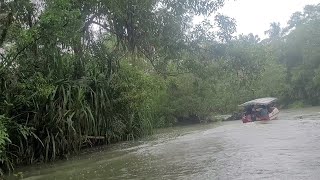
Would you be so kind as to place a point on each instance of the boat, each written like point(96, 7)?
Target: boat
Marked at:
point(262, 109)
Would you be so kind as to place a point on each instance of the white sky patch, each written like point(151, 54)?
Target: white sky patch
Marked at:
point(255, 16)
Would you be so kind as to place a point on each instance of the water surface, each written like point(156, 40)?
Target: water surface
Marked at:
point(287, 148)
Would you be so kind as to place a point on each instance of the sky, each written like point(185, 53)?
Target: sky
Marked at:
point(255, 16)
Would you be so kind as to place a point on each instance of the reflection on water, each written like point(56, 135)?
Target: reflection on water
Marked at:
point(287, 148)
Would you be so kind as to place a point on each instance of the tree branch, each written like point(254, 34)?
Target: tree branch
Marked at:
point(158, 71)
point(106, 28)
point(87, 23)
point(6, 28)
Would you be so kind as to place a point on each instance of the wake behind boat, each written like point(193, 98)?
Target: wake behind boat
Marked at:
point(262, 109)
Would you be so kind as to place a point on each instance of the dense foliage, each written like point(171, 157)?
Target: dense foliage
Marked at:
point(75, 74)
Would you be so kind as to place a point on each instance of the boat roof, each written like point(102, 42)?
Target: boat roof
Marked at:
point(260, 101)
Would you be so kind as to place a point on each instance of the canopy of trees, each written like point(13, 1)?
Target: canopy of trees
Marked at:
point(73, 71)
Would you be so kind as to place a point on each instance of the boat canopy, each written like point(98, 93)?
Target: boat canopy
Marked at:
point(260, 101)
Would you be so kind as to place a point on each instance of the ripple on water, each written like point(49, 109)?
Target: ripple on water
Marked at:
point(287, 148)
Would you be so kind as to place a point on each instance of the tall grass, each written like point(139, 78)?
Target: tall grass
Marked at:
point(51, 113)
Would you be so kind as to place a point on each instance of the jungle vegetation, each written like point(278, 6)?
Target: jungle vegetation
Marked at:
point(72, 71)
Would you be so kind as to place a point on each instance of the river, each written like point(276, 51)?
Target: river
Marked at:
point(287, 148)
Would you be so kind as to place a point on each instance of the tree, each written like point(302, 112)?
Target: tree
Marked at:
point(274, 32)
point(77, 72)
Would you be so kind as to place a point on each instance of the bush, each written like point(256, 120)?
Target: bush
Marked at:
point(4, 141)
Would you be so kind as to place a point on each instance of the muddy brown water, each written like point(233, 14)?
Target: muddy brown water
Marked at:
point(287, 148)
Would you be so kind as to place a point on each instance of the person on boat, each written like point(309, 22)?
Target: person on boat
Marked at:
point(264, 113)
point(254, 113)
point(271, 107)
point(248, 110)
